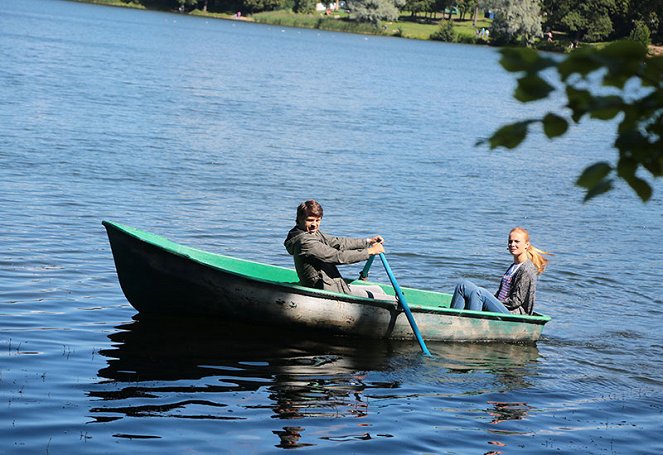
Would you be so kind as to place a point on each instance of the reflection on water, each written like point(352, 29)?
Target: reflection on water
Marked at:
point(290, 437)
point(303, 377)
point(204, 369)
point(504, 411)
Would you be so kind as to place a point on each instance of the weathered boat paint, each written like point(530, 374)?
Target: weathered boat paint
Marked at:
point(159, 276)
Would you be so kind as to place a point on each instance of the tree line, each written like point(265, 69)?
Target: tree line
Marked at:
point(514, 20)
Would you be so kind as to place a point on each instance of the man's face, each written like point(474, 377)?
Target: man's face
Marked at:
point(310, 224)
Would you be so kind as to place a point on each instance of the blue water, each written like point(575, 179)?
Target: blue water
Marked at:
point(210, 133)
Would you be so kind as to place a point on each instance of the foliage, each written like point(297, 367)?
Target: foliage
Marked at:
point(596, 20)
point(641, 33)
point(445, 32)
point(374, 11)
point(467, 6)
point(304, 6)
point(418, 6)
point(254, 6)
point(314, 21)
point(631, 87)
point(517, 20)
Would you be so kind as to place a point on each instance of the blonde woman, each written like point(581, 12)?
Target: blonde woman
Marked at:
point(517, 290)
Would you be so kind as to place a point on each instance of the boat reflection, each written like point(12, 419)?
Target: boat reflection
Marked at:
point(303, 377)
point(207, 369)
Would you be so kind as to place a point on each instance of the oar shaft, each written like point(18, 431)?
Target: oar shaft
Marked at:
point(406, 308)
point(364, 272)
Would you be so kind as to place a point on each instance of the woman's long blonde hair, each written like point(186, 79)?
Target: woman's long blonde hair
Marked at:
point(533, 253)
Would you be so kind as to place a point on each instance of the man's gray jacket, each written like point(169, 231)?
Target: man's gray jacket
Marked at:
point(316, 256)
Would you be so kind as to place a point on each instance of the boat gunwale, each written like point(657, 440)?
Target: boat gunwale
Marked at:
point(537, 318)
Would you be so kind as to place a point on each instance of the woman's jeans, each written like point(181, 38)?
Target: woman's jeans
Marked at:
point(469, 296)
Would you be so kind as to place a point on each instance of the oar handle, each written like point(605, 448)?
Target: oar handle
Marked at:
point(363, 275)
point(406, 308)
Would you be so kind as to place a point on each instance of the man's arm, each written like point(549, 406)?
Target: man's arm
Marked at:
point(338, 250)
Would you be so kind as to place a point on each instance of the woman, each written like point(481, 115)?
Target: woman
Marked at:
point(517, 289)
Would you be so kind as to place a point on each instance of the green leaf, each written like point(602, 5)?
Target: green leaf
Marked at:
point(554, 125)
point(606, 107)
point(623, 59)
point(626, 167)
point(594, 174)
point(517, 59)
point(509, 136)
point(626, 50)
point(632, 143)
point(582, 61)
point(653, 71)
point(631, 119)
point(642, 188)
point(579, 102)
point(532, 88)
point(601, 187)
point(526, 59)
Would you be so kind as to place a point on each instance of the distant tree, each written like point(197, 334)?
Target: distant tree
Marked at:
point(469, 6)
point(517, 20)
point(588, 20)
point(187, 4)
point(445, 32)
point(256, 6)
point(374, 11)
point(440, 6)
point(641, 33)
point(416, 7)
point(478, 5)
point(638, 106)
point(304, 6)
point(650, 12)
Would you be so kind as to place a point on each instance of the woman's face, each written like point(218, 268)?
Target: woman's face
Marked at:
point(518, 243)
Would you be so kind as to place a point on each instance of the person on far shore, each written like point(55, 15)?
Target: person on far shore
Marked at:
point(517, 291)
point(316, 255)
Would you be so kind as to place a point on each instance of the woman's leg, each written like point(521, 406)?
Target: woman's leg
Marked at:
point(465, 296)
point(469, 296)
point(488, 302)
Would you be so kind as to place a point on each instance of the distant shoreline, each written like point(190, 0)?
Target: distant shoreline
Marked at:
point(417, 28)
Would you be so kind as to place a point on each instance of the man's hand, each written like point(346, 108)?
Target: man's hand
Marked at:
point(375, 248)
point(376, 239)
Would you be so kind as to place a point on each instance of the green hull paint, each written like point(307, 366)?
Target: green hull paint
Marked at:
point(162, 277)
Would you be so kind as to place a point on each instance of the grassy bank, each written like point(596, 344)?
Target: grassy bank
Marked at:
point(406, 27)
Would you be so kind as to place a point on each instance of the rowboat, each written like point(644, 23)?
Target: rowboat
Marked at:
point(161, 277)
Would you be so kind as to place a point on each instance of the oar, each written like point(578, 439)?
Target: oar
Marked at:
point(364, 272)
point(404, 304)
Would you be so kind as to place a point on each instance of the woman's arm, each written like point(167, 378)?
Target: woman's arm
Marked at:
point(522, 292)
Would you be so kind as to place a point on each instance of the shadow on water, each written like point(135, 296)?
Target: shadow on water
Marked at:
point(201, 368)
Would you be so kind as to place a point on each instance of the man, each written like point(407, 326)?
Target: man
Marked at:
point(316, 255)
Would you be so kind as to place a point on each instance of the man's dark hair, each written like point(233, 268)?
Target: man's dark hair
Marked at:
point(309, 208)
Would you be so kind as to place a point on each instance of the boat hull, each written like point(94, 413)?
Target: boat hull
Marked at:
point(158, 280)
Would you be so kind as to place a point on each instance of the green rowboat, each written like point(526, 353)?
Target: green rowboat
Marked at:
point(161, 277)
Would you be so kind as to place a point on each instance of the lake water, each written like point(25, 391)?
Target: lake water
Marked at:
point(210, 133)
